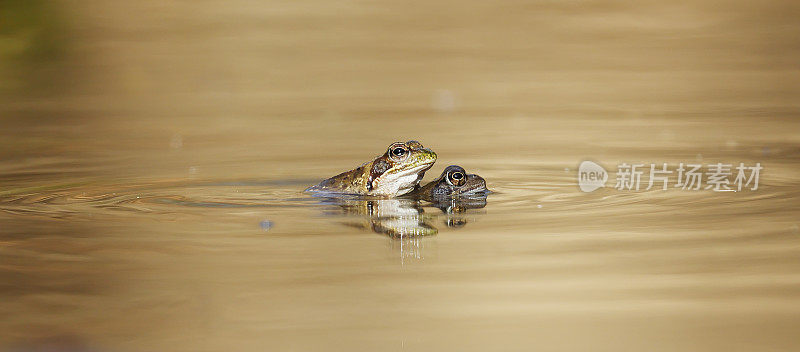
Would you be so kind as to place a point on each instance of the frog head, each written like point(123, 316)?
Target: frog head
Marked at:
point(399, 170)
point(454, 182)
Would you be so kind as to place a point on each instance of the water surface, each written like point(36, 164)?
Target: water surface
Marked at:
point(151, 196)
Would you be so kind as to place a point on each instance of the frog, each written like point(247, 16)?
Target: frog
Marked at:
point(395, 173)
point(454, 182)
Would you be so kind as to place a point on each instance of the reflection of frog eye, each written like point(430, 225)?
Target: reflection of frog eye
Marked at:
point(455, 223)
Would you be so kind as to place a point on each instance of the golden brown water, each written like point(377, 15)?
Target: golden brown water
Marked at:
point(154, 156)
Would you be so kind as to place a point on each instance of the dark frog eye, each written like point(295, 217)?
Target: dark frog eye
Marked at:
point(457, 178)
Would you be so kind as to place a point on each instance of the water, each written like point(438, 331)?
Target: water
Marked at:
point(152, 200)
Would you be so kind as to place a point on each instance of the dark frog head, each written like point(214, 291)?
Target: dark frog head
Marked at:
point(454, 182)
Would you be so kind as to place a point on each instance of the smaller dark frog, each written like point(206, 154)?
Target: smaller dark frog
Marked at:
point(454, 182)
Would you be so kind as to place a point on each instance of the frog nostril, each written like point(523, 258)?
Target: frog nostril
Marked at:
point(431, 154)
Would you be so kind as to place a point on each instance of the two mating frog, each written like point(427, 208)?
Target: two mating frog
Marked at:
point(398, 172)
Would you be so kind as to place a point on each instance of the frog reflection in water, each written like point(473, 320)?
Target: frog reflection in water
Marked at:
point(395, 173)
point(396, 218)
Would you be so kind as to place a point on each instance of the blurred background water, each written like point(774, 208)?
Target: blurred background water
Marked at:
point(154, 153)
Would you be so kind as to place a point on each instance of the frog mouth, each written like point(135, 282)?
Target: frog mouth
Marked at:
point(419, 168)
point(408, 178)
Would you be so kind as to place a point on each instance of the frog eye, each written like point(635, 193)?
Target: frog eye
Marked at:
point(398, 152)
point(456, 178)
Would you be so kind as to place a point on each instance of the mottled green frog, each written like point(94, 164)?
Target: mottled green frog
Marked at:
point(395, 173)
point(453, 182)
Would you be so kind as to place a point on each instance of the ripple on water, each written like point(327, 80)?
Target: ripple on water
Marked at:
point(547, 196)
point(152, 198)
